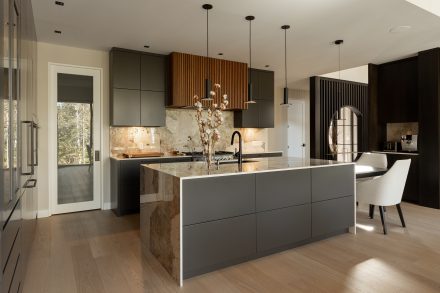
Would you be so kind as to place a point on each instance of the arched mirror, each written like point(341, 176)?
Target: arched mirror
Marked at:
point(343, 134)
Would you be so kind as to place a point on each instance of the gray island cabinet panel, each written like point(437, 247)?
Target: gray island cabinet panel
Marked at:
point(282, 189)
point(214, 198)
point(332, 182)
point(217, 244)
point(283, 227)
point(332, 216)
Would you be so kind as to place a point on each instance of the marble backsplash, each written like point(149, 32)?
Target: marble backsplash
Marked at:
point(396, 130)
point(182, 134)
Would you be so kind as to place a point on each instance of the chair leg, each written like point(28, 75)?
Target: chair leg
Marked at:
point(371, 211)
point(382, 218)
point(399, 209)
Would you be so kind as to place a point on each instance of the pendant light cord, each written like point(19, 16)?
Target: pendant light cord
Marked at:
point(285, 56)
point(250, 44)
point(207, 44)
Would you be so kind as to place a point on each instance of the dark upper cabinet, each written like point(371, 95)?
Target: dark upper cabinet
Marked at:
point(152, 108)
point(266, 85)
point(125, 69)
point(398, 91)
point(266, 114)
point(125, 107)
point(260, 114)
point(137, 88)
point(154, 73)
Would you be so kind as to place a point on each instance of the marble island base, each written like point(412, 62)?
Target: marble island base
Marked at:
point(196, 224)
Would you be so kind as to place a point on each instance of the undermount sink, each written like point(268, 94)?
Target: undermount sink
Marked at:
point(236, 162)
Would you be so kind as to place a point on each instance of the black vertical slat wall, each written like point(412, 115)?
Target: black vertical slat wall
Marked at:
point(327, 96)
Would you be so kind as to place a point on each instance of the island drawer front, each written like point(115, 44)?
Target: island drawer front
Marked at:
point(215, 198)
point(332, 182)
point(216, 244)
point(282, 189)
point(283, 227)
point(332, 216)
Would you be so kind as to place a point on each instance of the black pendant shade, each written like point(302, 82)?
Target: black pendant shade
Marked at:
point(250, 99)
point(286, 90)
point(207, 96)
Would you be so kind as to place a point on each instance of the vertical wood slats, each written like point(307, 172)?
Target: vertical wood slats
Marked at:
point(330, 95)
point(188, 73)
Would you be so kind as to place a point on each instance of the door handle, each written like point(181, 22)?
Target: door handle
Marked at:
point(35, 151)
point(30, 183)
point(303, 145)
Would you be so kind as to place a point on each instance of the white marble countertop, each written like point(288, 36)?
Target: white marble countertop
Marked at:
point(190, 170)
point(169, 156)
point(397, 153)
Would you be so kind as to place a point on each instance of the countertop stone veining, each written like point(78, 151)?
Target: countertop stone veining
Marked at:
point(188, 170)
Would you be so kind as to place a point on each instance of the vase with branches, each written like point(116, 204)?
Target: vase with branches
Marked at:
point(209, 119)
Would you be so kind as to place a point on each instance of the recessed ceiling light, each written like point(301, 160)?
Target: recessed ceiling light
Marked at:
point(60, 3)
point(146, 46)
point(57, 31)
point(267, 66)
point(220, 54)
point(400, 29)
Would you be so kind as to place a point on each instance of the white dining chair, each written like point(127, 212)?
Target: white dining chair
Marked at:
point(385, 190)
point(374, 160)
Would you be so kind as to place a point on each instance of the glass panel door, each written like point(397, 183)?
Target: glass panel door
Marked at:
point(75, 158)
point(75, 98)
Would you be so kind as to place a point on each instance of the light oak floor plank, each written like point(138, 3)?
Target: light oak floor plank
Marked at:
point(99, 252)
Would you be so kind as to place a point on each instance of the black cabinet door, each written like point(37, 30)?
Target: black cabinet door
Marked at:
point(212, 245)
point(247, 118)
point(152, 108)
point(332, 182)
point(282, 189)
point(153, 73)
point(283, 227)
point(216, 198)
point(332, 216)
point(254, 78)
point(266, 80)
point(126, 70)
point(265, 113)
point(125, 107)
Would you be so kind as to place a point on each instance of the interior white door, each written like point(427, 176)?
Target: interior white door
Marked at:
point(296, 129)
point(74, 138)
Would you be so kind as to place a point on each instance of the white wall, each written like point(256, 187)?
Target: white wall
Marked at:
point(278, 135)
point(72, 56)
point(358, 74)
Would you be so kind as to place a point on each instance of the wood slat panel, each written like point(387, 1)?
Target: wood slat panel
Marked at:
point(188, 73)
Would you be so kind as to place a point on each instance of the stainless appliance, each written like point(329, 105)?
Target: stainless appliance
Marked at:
point(409, 143)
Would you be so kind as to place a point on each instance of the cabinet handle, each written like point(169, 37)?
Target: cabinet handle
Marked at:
point(30, 183)
point(35, 151)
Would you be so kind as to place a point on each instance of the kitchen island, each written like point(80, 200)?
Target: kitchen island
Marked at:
point(194, 221)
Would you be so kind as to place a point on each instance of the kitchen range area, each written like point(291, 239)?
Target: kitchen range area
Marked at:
point(169, 146)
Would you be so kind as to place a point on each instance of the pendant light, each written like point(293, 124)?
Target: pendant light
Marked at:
point(207, 96)
point(286, 90)
point(250, 92)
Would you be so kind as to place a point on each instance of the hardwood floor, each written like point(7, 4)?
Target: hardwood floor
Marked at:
point(98, 252)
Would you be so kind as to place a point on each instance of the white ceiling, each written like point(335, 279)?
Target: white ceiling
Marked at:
point(179, 25)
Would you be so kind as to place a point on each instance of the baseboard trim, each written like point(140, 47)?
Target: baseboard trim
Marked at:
point(106, 206)
point(43, 214)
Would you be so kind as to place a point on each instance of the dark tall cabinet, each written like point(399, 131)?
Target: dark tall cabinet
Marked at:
point(260, 114)
point(429, 127)
point(138, 88)
point(18, 137)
